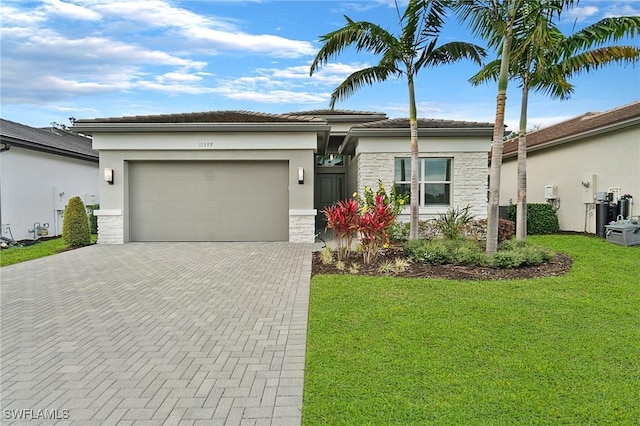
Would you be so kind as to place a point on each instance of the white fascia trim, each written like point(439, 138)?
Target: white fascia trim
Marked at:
point(89, 128)
point(107, 212)
point(354, 134)
point(300, 212)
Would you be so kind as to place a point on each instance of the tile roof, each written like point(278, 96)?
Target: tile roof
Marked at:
point(329, 111)
point(49, 139)
point(208, 117)
point(423, 123)
point(581, 124)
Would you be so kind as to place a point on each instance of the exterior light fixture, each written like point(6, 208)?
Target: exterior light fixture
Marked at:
point(300, 175)
point(108, 176)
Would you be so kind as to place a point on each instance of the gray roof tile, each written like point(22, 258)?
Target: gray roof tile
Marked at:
point(47, 139)
point(581, 124)
point(207, 117)
point(423, 123)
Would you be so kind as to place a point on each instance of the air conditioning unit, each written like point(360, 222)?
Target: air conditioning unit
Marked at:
point(551, 192)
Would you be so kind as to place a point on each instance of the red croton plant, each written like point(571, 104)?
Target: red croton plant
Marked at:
point(375, 222)
point(371, 219)
point(343, 218)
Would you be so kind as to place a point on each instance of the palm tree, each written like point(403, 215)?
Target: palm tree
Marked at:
point(405, 54)
point(546, 66)
point(500, 22)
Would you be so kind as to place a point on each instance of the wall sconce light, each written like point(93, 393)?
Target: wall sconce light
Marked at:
point(108, 176)
point(300, 175)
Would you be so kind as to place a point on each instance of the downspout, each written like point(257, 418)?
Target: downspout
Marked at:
point(6, 147)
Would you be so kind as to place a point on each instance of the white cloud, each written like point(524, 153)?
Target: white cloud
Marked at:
point(331, 74)
point(277, 96)
point(182, 76)
point(212, 33)
point(264, 44)
point(582, 13)
point(627, 8)
point(70, 10)
point(14, 17)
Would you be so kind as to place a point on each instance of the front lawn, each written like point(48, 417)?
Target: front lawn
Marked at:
point(557, 350)
point(42, 248)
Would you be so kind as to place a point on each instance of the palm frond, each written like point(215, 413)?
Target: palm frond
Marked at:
point(360, 78)
point(602, 32)
point(597, 58)
point(451, 52)
point(490, 72)
point(362, 35)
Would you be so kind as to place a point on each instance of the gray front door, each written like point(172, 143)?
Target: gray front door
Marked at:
point(330, 188)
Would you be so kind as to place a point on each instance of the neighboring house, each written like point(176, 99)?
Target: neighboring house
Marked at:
point(246, 176)
point(569, 162)
point(41, 169)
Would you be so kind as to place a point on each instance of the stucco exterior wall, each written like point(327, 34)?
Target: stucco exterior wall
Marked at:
point(118, 149)
point(36, 187)
point(469, 180)
point(614, 158)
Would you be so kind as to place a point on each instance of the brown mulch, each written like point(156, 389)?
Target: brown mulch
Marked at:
point(560, 265)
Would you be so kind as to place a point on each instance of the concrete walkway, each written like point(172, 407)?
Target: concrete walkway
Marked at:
point(157, 333)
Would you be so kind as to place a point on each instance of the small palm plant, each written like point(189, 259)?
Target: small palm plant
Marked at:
point(452, 223)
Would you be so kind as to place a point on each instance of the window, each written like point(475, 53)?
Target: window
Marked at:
point(330, 160)
point(434, 180)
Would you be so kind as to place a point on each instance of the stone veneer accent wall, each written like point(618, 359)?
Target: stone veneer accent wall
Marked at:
point(110, 227)
point(470, 171)
point(302, 226)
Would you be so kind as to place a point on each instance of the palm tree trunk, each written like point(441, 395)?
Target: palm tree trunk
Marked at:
point(498, 136)
point(521, 212)
point(415, 164)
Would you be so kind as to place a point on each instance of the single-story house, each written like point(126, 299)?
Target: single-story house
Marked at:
point(570, 162)
point(41, 169)
point(247, 176)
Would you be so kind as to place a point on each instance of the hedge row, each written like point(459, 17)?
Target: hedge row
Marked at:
point(541, 218)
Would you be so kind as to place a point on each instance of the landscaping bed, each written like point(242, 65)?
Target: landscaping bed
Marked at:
point(558, 266)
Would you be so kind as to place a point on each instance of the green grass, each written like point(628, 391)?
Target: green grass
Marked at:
point(558, 350)
point(13, 255)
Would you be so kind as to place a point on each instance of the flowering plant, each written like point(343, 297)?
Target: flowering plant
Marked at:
point(397, 201)
point(374, 227)
point(343, 218)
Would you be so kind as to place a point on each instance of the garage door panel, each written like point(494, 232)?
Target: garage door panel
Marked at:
point(209, 201)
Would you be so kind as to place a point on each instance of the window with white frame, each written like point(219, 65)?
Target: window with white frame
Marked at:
point(434, 180)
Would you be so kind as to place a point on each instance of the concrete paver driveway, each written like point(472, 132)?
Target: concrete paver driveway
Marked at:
point(157, 333)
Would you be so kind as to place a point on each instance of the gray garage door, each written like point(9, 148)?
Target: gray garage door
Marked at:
point(209, 201)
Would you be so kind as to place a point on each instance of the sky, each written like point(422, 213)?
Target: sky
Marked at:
point(113, 58)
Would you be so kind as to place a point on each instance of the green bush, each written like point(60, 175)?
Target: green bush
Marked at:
point(541, 218)
point(452, 223)
point(75, 228)
point(399, 231)
point(445, 251)
point(93, 220)
point(465, 252)
point(516, 253)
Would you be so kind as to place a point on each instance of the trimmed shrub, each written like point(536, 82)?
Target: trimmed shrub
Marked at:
point(75, 227)
point(541, 218)
point(516, 253)
point(445, 251)
point(93, 220)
